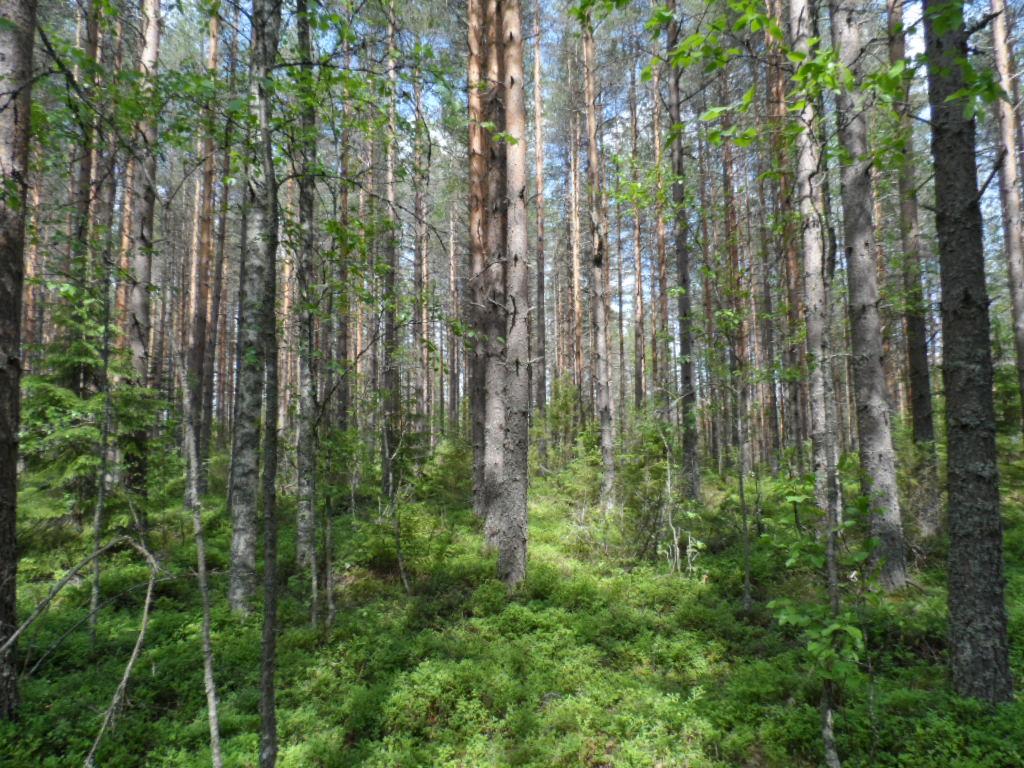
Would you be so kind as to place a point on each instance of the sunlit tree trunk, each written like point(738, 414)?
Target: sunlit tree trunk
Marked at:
point(599, 255)
point(473, 305)
point(688, 391)
point(877, 458)
point(512, 540)
point(1009, 184)
point(493, 285)
point(639, 332)
point(811, 208)
point(541, 362)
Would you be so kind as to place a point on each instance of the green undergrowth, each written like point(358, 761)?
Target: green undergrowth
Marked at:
point(598, 660)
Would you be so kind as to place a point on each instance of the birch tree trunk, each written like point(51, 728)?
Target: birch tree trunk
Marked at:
point(143, 209)
point(979, 654)
point(811, 207)
point(256, 308)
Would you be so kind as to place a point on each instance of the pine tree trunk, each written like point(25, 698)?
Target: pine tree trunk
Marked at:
point(199, 290)
point(473, 308)
point(877, 458)
point(915, 312)
point(512, 541)
point(541, 361)
point(979, 654)
point(454, 341)
point(575, 248)
point(599, 247)
point(16, 38)
point(493, 286)
point(1009, 185)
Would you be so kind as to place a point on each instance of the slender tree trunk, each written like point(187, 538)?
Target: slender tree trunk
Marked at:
point(811, 207)
point(688, 391)
point(473, 307)
point(391, 381)
point(979, 652)
point(199, 290)
point(194, 504)
point(16, 38)
point(266, 28)
point(454, 299)
point(143, 210)
point(421, 163)
point(575, 248)
point(639, 333)
point(877, 458)
point(599, 247)
point(1009, 185)
point(306, 439)
point(915, 310)
point(540, 363)
point(216, 339)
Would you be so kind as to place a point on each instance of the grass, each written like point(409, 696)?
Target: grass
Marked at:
point(595, 662)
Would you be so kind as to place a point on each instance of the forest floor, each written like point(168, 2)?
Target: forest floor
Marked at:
point(595, 662)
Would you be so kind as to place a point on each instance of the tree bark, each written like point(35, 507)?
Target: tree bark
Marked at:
point(16, 37)
point(915, 310)
point(256, 305)
point(688, 391)
point(512, 541)
point(811, 207)
point(1009, 185)
point(493, 304)
point(305, 435)
point(540, 363)
point(473, 307)
point(598, 248)
point(143, 209)
point(639, 332)
point(391, 381)
point(877, 458)
point(979, 654)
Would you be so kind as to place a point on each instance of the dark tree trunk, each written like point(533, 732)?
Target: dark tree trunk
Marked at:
point(16, 37)
point(979, 648)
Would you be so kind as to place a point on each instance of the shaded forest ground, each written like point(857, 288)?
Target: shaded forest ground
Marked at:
point(598, 661)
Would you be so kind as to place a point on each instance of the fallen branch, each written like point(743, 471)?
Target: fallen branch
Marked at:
point(10, 641)
point(118, 699)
